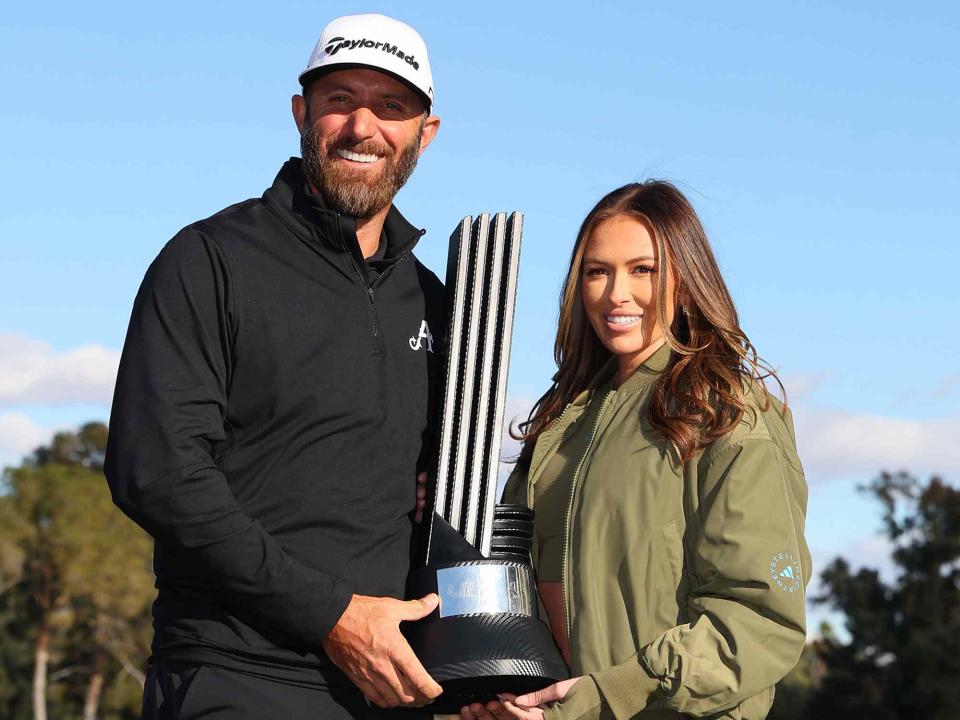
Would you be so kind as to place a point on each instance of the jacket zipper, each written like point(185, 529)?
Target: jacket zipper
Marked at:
point(372, 304)
point(373, 313)
point(565, 568)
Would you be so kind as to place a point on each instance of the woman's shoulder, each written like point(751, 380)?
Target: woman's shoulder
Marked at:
point(766, 418)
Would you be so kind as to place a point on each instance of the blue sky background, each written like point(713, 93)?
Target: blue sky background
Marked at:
point(819, 142)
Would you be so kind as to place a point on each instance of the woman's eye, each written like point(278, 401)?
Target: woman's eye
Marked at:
point(594, 272)
point(643, 269)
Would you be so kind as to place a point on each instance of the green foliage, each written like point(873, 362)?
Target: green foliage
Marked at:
point(16, 655)
point(75, 570)
point(85, 447)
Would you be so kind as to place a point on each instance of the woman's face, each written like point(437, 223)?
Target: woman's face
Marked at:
point(619, 290)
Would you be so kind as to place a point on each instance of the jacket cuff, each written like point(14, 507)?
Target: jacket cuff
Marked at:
point(334, 605)
point(626, 688)
point(582, 702)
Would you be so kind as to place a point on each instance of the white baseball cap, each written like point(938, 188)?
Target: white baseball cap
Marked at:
point(373, 41)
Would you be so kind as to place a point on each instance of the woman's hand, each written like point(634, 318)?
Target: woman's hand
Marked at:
point(524, 707)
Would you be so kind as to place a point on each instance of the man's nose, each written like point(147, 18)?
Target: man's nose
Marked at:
point(362, 124)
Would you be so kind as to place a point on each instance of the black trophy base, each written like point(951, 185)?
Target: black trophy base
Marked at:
point(474, 657)
point(485, 638)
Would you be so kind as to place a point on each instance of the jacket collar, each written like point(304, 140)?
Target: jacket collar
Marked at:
point(308, 216)
point(649, 370)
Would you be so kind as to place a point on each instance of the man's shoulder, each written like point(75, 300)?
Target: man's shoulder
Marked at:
point(242, 224)
point(208, 241)
point(227, 222)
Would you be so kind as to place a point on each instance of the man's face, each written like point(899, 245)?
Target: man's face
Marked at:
point(361, 133)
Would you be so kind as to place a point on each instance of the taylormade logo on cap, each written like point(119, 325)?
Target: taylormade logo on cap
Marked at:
point(377, 42)
point(338, 43)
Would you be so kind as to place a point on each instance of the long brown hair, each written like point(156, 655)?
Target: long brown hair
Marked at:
point(700, 395)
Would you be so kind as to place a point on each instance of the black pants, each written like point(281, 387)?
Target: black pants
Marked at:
point(178, 692)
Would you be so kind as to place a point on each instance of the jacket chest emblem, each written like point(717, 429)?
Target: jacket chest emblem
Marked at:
point(417, 341)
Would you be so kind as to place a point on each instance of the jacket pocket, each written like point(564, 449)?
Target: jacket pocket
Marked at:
point(672, 552)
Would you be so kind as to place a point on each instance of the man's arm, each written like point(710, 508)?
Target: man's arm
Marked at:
point(166, 423)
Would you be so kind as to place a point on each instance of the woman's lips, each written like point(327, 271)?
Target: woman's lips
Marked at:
point(620, 322)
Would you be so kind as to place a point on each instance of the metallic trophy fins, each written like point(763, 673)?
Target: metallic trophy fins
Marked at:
point(485, 637)
point(456, 293)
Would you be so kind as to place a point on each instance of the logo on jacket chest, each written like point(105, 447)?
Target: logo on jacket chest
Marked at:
point(421, 338)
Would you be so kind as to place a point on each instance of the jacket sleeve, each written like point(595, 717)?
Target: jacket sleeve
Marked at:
point(167, 424)
point(748, 566)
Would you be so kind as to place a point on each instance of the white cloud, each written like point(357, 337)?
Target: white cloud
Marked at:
point(801, 385)
point(19, 436)
point(834, 443)
point(32, 372)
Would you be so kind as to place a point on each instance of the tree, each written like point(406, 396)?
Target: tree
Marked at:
point(903, 656)
point(86, 447)
point(75, 568)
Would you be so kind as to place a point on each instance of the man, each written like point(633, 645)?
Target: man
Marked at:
point(271, 411)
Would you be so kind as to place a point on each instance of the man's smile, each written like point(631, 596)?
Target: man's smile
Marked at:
point(365, 158)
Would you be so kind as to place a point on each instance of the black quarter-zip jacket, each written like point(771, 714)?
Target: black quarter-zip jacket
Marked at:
point(270, 414)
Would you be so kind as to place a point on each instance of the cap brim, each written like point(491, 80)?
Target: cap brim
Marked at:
point(309, 76)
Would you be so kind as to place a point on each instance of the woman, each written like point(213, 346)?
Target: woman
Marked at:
point(669, 497)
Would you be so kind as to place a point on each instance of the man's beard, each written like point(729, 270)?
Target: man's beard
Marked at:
point(343, 190)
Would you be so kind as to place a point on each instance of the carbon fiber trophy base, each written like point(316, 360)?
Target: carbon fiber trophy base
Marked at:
point(480, 676)
point(485, 637)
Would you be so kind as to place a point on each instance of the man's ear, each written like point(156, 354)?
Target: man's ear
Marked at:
point(430, 127)
point(299, 107)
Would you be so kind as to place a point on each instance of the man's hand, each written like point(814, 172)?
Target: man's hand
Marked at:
point(367, 645)
point(421, 496)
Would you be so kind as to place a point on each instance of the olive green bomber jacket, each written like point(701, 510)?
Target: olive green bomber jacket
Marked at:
point(684, 584)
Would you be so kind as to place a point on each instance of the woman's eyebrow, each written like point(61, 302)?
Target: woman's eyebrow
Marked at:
point(628, 262)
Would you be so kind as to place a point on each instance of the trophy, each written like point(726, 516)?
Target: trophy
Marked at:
point(485, 637)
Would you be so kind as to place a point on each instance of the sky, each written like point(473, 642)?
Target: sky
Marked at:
point(819, 142)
